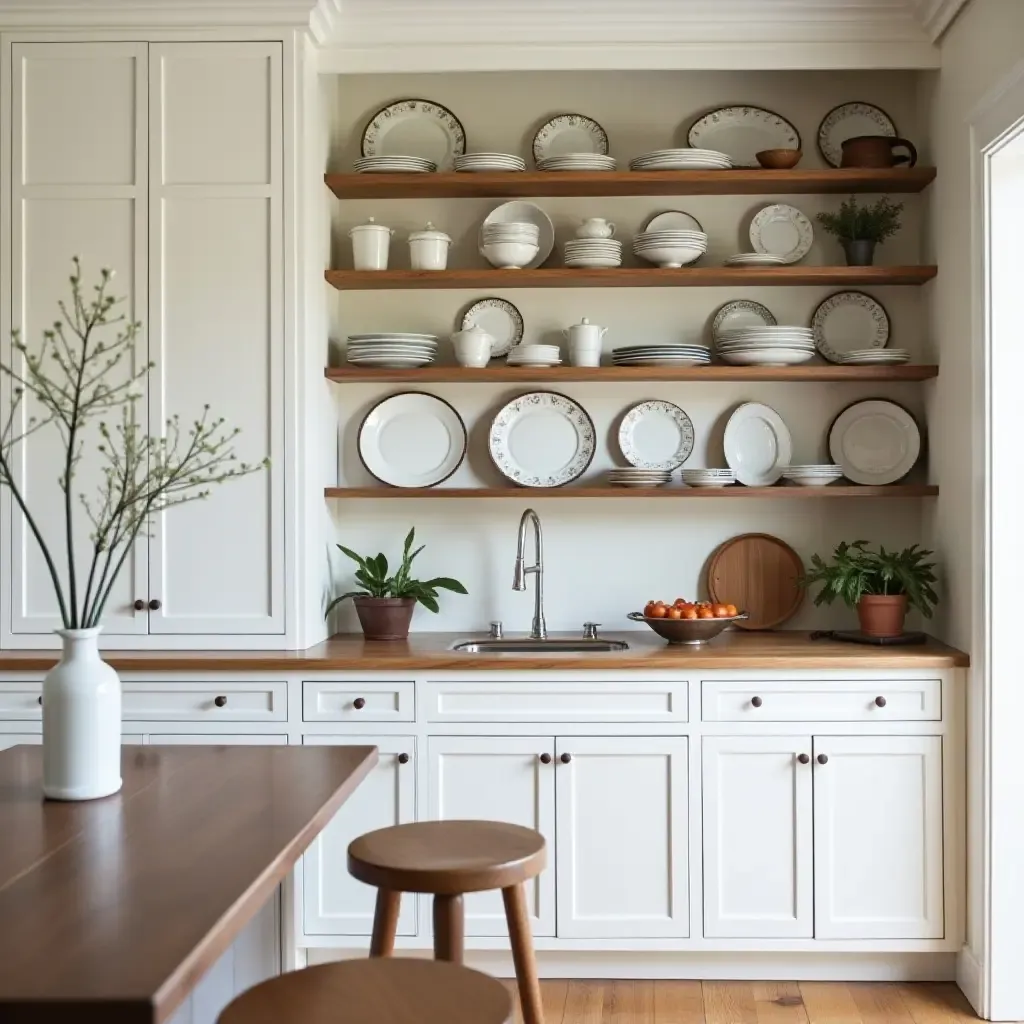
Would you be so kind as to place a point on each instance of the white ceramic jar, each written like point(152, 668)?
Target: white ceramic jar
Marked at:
point(428, 249)
point(472, 346)
point(585, 341)
point(370, 244)
point(595, 227)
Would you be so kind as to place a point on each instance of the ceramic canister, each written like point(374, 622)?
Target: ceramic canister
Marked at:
point(428, 249)
point(472, 346)
point(370, 244)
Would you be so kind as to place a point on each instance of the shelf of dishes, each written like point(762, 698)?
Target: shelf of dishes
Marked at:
point(784, 493)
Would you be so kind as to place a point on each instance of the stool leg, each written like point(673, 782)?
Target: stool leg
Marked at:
point(518, 918)
point(385, 922)
point(449, 929)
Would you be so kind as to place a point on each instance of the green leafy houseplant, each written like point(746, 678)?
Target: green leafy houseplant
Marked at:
point(860, 228)
point(385, 603)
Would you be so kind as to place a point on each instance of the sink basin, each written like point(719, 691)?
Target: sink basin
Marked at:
point(524, 645)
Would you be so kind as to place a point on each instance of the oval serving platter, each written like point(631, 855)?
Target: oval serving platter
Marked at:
point(742, 132)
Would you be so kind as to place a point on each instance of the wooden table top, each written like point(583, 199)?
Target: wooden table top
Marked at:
point(117, 907)
point(780, 649)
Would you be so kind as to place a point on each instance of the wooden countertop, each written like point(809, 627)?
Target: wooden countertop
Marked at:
point(113, 909)
point(782, 649)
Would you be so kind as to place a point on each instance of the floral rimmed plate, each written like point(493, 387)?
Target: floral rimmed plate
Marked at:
point(847, 121)
point(542, 439)
point(656, 435)
point(781, 230)
point(847, 321)
point(741, 313)
point(742, 132)
point(416, 127)
point(567, 134)
point(500, 319)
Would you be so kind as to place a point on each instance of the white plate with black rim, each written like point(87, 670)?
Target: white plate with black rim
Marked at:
point(758, 445)
point(847, 121)
point(568, 135)
point(412, 439)
point(415, 127)
point(500, 319)
point(849, 321)
point(542, 439)
point(875, 442)
point(742, 132)
point(740, 313)
point(782, 230)
point(656, 435)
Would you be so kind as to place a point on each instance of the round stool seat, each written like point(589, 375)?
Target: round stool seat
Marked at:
point(403, 991)
point(447, 857)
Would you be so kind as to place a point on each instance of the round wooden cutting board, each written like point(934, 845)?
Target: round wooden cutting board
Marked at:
point(760, 575)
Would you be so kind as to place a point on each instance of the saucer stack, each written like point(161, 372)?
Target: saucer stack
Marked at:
point(876, 357)
point(577, 162)
point(534, 355)
point(489, 162)
point(394, 165)
point(397, 351)
point(766, 346)
point(593, 252)
point(755, 259)
point(681, 160)
point(633, 477)
point(709, 477)
point(661, 355)
point(812, 476)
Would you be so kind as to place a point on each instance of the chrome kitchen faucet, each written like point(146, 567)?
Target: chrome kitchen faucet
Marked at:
point(540, 629)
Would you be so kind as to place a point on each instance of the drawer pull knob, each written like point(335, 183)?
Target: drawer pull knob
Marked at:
point(403, 758)
point(545, 759)
point(154, 605)
point(823, 759)
point(139, 605)
point(756, 701)
point(39, 700)
point(565, 758)
point(220, 701)
point(880, 701)
point(804, 758)
point(359, 703)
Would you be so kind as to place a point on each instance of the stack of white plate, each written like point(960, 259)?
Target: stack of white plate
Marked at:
point(489, 162)
point(633, 477)
point(661, 355)
point(876, 356)
point(577, 162)
point(766, 346)
point(670, 248)
point(397, 350)
point(512, 231)
point(681, 160)
point(394, 165)
point(534, 355)
point(709, 477)
point(812, 476)
point(593, 252)
point(755, 259)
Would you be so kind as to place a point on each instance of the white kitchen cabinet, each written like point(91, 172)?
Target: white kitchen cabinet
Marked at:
point(758, 843)
point(209, 739)
point(622, 836)
point(878, 858)
point(499, 778)
point(14, 739)
point(334, 903)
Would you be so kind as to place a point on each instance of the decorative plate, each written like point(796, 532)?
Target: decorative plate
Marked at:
point(656, 435)
point(542, 439)
point(847, 321)
point(758, 445)
point(569, 133)
point(741, 313)
point(531, 213)
point(416, 128)
point(847, 121)
point(781, 230)
point(500, 319)
point(742, 132)
point(412, 439)
point(673, 220)
point(875, 442)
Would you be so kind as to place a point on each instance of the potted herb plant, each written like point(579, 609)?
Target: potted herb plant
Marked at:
point(385, 603)
point(879, 584)
point(860, 228)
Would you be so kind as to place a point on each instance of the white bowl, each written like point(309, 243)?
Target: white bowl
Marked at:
point(509, 255)
point(670, 255)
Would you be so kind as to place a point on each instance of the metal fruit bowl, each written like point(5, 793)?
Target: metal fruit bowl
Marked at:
point(687, 631)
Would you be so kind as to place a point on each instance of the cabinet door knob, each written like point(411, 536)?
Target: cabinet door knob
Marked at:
point(403, 758)
point(804, 758)
point(756, 701)
point(139, 605)
point(565, 758)
point(220, 701)
point(39, 701)
point(823, 759)
point(880, 701)
point(545, 759)
point(154, 605)
point(359, 703)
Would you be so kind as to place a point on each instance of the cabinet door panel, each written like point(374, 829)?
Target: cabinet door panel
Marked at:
point(758, 871)
point(878, 837)
point(500, 778)
point(622, 837)
point(334, 903)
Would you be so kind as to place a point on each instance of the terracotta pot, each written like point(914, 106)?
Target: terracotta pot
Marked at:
point(385, 618)
point(876, 151)
point(860, 252)
point(882, 615)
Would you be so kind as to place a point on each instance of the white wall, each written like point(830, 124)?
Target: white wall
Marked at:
point(605, 558)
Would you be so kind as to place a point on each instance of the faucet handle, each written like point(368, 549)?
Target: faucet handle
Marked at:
point(497, 631)
point(590, 630)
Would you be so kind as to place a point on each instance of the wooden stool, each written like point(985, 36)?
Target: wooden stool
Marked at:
point(374, 992)
point(448, 859)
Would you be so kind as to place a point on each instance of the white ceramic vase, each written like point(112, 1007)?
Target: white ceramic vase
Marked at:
point(81, 721)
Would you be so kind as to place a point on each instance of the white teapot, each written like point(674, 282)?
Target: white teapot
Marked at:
point(595, 227)
point(585, 343)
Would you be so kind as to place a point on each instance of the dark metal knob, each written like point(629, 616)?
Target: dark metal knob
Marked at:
point(756, 701)
point(545, 759)
point(359, 703)
point(154, 605)
point(823, 759)
point(804, 758)
point(403, 758)
point(39, 701)
point(220, 701)
point(139, 605)
point(565, 758)
point(880, 701)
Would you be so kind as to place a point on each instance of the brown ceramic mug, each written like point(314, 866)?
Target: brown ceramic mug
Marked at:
point(876, 151)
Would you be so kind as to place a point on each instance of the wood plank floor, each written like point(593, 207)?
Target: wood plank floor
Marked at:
point(751, 1002)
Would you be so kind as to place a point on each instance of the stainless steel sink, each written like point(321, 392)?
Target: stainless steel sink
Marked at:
point(526, 645)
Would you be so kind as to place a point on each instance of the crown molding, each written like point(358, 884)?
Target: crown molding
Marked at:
point(122, 14)
point(936, 16)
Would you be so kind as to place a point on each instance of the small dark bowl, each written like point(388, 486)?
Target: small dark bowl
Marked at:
point(687, 631)
point(779, 159)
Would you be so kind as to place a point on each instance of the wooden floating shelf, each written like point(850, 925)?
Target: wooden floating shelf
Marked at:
point(735, 492)
point(503, 185)
point(501, 374)
point(628, 277)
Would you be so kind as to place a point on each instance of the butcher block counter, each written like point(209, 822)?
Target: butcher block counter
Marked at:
point(114, 909)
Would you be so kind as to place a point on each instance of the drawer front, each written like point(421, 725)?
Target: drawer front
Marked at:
point(557, 702)
point(358, 702)
point(205, 702)
point(859, 700)
point(21, 702)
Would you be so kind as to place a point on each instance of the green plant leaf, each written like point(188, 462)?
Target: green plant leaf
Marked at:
point(343, 597)
point(446, 583)
point(351, 554)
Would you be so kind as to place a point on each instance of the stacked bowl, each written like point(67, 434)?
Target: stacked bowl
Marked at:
point(709, 477)
point(510, 245)
point(394, 165)
point(670, 248)
point(478, 162)
point(633, 477)
point(766, 346)
point(593, 252)
point(812, 476)
point(577, 162)
point(395, 350)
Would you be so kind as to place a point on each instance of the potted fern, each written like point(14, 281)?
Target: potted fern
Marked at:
point(385, 603)
point(860, 228)
point(879, 584)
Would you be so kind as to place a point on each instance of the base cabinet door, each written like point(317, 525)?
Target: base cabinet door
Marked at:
point(758, 842)
point(622, 859)
point(502, 778)
point(333, 902)
point(878, 837)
